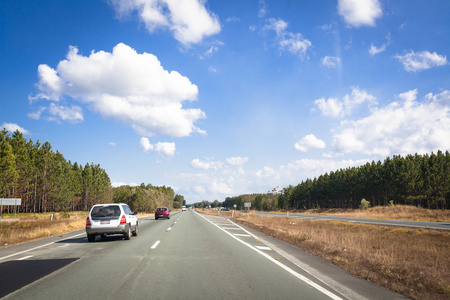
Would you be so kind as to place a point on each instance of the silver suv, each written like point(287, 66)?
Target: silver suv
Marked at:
point(113, 218)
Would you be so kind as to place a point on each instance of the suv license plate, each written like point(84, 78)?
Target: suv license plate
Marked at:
point(104, 222)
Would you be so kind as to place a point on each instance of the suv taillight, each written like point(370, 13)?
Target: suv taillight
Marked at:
point(123, 220)
point(88, 222)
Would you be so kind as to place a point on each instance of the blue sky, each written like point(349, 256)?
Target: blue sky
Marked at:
point(222, 98)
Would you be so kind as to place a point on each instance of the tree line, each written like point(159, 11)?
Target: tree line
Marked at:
point(46, 181)
point(420, 180)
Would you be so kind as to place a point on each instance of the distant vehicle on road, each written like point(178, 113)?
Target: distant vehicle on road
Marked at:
point(113, 218)
point(162, 212)
point(183, 208)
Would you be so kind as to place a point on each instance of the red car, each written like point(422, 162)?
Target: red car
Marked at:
point(162, 212)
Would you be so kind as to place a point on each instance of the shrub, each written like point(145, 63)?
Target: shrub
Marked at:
point(364, 204)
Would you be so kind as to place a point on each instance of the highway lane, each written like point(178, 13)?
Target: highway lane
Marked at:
point(190, 256)
point(387, 222)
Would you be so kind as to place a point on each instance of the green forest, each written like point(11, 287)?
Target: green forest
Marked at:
point(420, 180)
point(46, 181)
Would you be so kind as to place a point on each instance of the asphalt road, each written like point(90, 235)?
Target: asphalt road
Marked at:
point(401, 223)
point(190, 256)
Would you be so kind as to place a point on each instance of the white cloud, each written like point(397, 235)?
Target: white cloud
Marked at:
point(58, 113)
point(206, 164)
point(112, 144)
point(237, 161)
point(164, 149)
point(413, 62)
point(12, 127)
point(189, 20)
point(309, 142)
point(333, 107)
point(149, 98)
point(358, 13)
point(405, 127)
point(373, 50)
point(331, 62)
point(73, 114)
point(232, 20)
point(262, 8)
point(292, 42)
point(215, 46)
point(120, 183)
point(224, 182)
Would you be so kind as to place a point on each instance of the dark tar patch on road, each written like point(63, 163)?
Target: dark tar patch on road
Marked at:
point(19, 273)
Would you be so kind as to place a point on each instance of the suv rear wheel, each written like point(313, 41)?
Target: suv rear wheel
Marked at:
point(127, 234)
point(91, 237)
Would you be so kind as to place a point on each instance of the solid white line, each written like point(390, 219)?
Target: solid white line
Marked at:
point(246, 235)
point(25, 257)
point(155, 245)
point(25, 251)
point(299, 276)
point(231, 228)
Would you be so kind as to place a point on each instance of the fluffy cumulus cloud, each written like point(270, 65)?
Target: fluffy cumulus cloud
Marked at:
point(188, 20)
point(148, 98)
point(358, 13)
point(334, 107)
point(403, 127)
point(288, 41)
point(309, 142)
point(164, 149)
point(413, 62)
point(12, 127)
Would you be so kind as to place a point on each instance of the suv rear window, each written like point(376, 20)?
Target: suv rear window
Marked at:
point(162, 209)
point(105, 212)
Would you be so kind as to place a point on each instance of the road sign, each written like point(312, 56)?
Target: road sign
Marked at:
point(10, 201)
point(247, 204)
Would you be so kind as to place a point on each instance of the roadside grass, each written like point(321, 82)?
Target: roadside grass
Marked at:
point(394, 212)
point(31, 227)
point(412, 262)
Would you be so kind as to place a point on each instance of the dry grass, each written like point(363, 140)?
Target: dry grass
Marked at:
point(413, 262)
point(395, 212)
point(30, 227)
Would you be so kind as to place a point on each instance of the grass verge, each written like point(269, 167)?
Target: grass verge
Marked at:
point(394, 212)
point(31, 227)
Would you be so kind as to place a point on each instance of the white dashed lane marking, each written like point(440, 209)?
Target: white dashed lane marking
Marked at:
point(155, 245)
point(263, 248)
